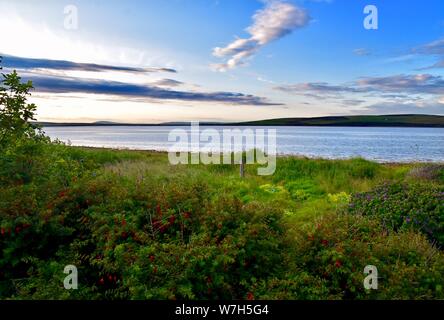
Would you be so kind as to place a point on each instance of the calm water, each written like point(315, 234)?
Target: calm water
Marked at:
point(380, 144)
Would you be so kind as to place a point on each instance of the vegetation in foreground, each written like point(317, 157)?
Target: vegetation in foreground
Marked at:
point(139, 228)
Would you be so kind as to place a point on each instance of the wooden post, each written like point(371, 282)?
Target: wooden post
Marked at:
point(242, 167)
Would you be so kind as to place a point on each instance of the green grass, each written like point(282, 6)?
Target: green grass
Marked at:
point(305, 183)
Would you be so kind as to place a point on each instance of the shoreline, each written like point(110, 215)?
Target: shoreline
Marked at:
point(279, 155)
point(384, 120)
point(71, 125)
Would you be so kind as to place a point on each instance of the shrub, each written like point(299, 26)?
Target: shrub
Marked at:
point(328, 260)
point(179, 242)
point(428, 172)
point(15, 112)
point(400, 206)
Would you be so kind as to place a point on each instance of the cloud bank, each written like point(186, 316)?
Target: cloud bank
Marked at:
point(45, 82)
point(14, 62)
point(411, 84)
point(275, 21)
point(48, 84)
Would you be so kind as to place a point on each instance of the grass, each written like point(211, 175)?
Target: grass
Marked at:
point(305, 183)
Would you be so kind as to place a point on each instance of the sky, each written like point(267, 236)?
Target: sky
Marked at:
point(225, 60)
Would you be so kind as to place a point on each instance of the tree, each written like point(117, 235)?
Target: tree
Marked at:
point(15, 112)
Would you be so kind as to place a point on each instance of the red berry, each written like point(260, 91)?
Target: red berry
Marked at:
point(151, 258)
point(324, 242)
point(338, 264)
point(101, 281)
point(250, 296)
point(172, 219)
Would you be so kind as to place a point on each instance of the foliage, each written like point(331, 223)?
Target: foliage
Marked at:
point(15, 112)
point(329, 256)
point(137, 231)
point(400, 206)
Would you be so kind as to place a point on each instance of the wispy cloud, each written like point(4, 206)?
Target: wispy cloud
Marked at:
point(318, 90)
point(435, 48)
point(417, 84)
point(352, 102)
point(410, 84)
point(404, 108)
point(167, 83)
point(14, 62)
point(48, 84)
point(362, 52)
point(276, 20)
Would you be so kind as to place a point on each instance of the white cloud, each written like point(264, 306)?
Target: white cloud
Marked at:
point(275, 21)
point(361, 52)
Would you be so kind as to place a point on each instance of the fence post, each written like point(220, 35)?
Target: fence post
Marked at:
point(242, 167)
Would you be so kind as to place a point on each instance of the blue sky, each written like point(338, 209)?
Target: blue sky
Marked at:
point(225, 60)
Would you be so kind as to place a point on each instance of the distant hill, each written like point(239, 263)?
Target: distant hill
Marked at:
point(404, 120)
point(400, 120)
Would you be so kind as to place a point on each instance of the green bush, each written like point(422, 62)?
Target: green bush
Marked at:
point(328, 259)
point(164, 238)
point(400, 206)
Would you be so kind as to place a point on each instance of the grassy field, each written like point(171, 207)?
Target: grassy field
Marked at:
point(137, 227)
